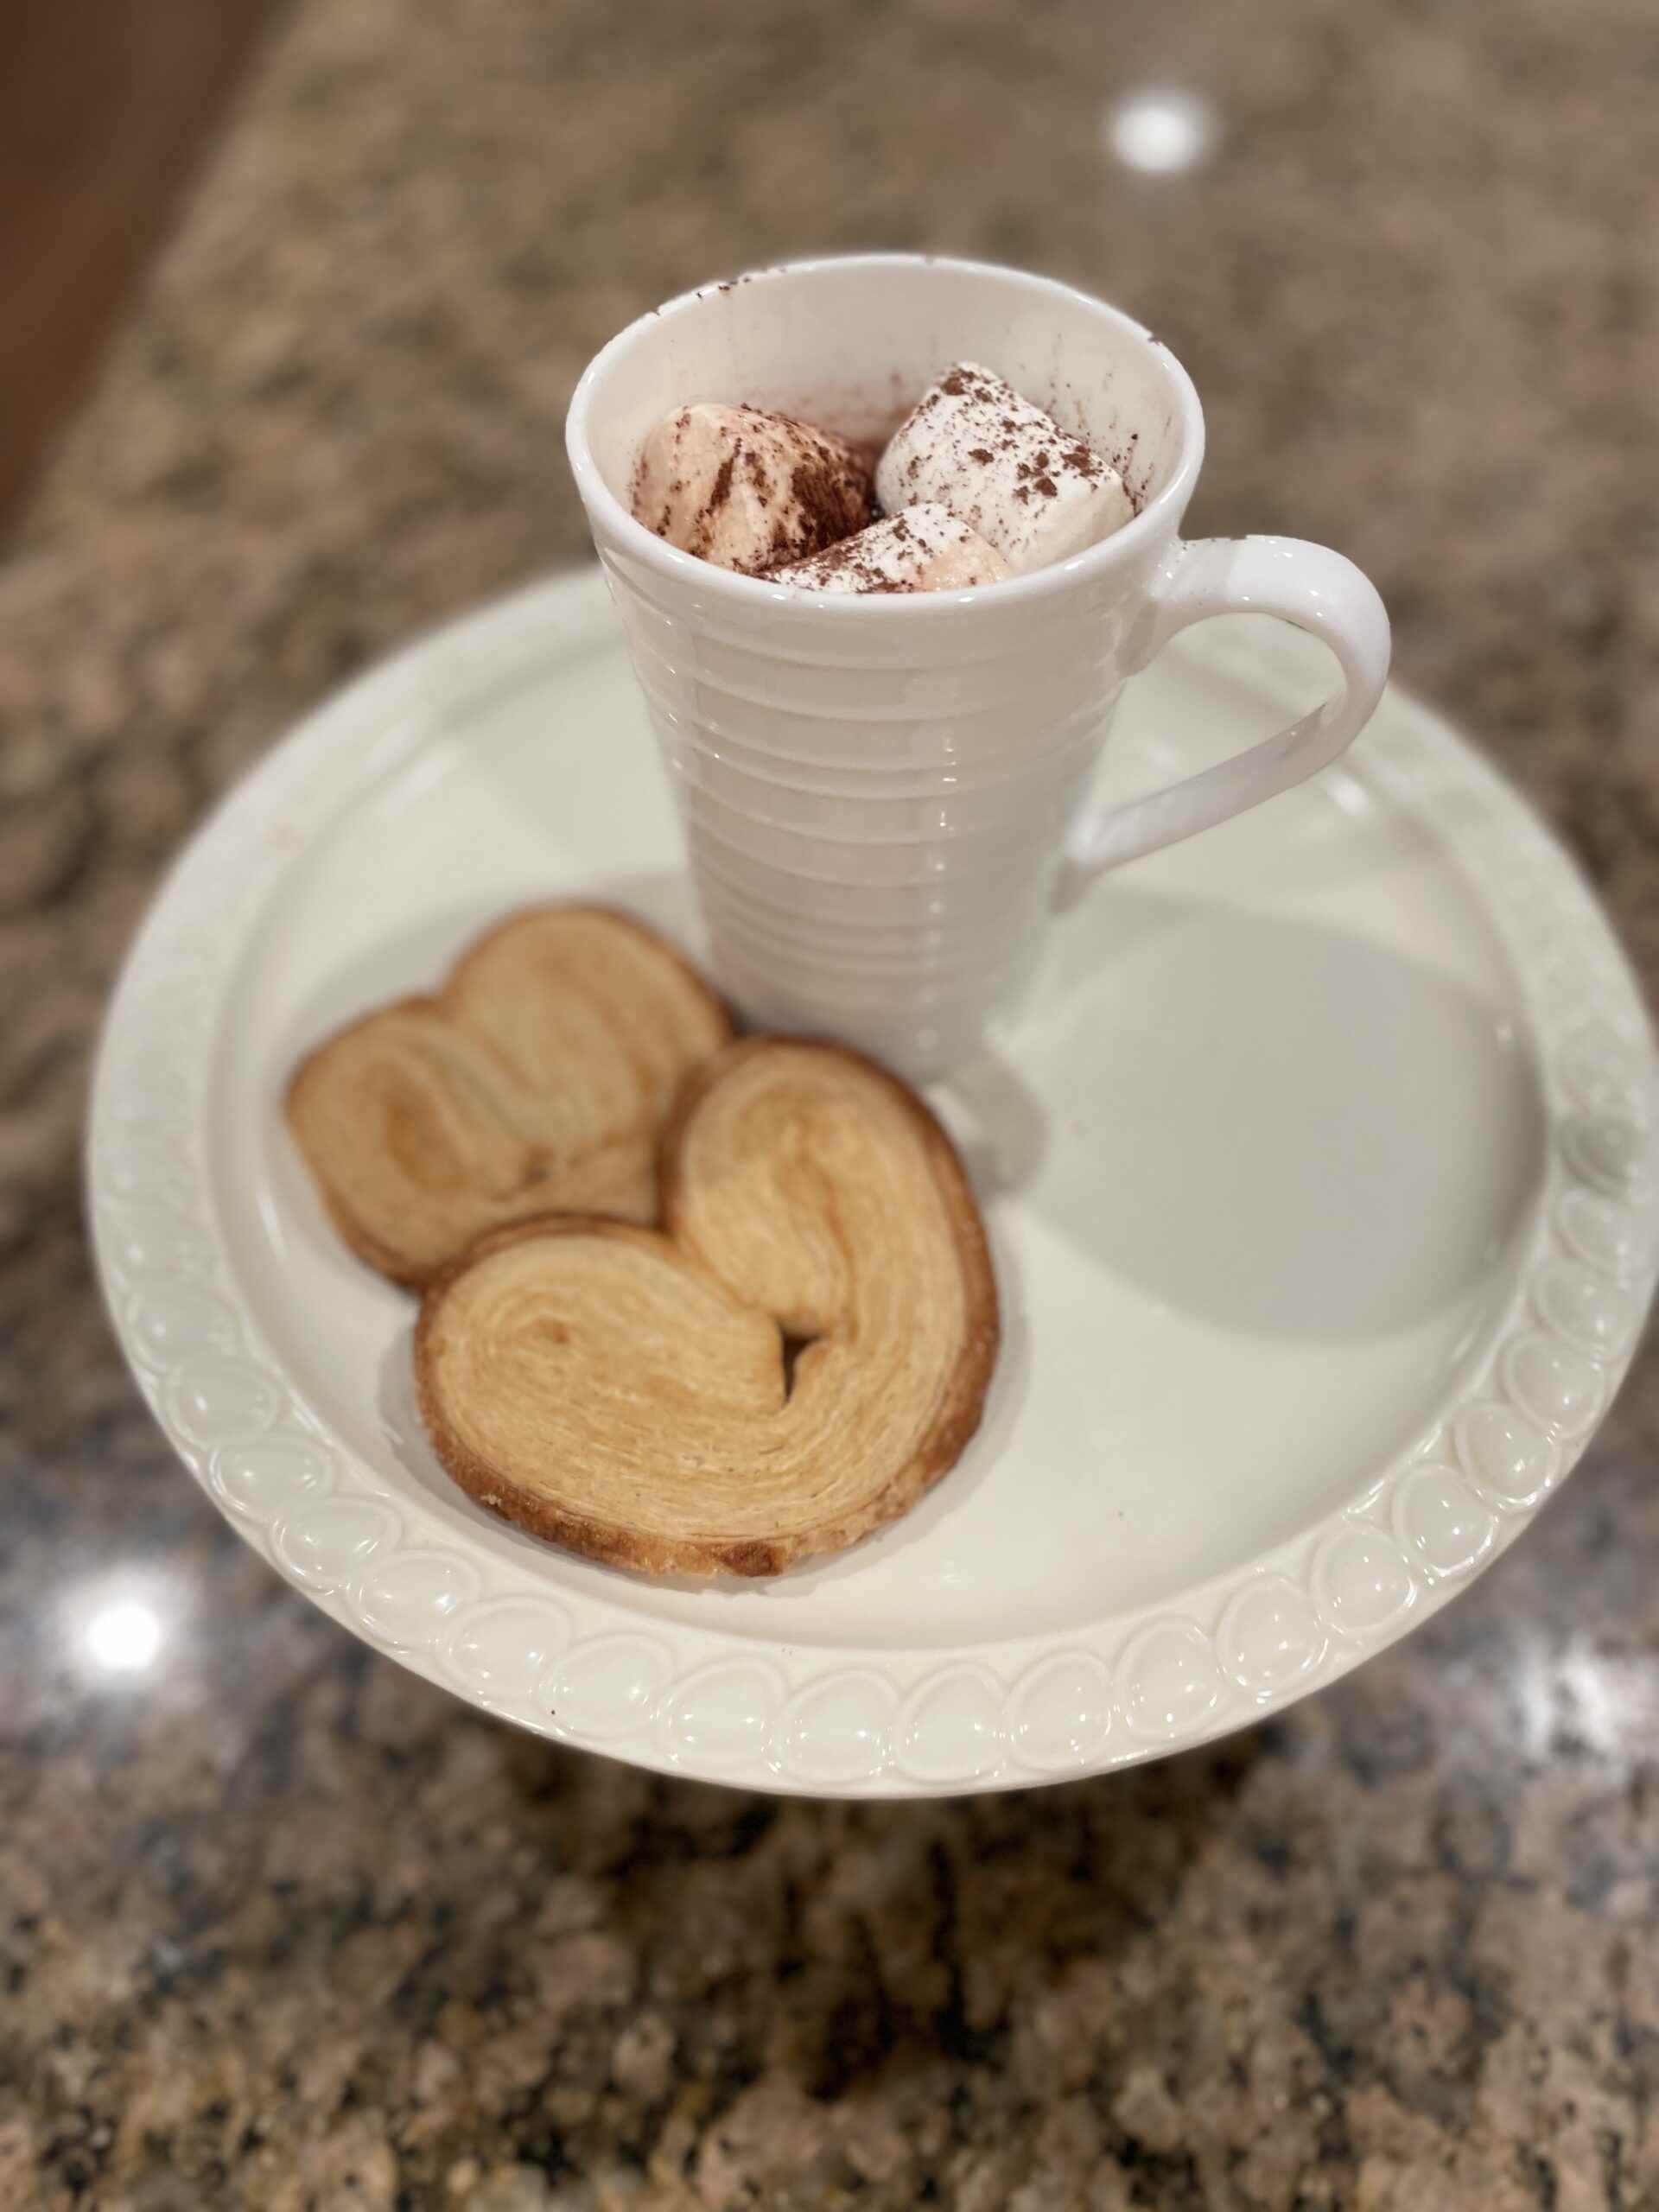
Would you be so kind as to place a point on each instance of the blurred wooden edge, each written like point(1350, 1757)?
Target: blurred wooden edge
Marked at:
point(106, 109)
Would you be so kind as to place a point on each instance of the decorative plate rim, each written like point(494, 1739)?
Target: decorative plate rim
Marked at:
point(831, 1720)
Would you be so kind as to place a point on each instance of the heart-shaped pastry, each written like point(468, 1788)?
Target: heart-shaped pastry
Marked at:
point(537, 1080)
point(791, 1363)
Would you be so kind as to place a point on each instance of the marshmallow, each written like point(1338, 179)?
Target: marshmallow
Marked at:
point(746, 489)
point(1005, 468)
point(924, 549)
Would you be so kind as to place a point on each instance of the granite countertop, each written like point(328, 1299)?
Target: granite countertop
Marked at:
point(282, 1926)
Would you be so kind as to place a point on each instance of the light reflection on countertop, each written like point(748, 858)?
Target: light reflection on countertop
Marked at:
point(121, 1637)
point(1161, 129)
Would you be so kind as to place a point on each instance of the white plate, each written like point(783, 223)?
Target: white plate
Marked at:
point(1318, 1180)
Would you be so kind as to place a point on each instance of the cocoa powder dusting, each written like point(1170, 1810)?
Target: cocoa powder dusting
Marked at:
point(721, 490)
point(702, 528)
point(832, 501)
point(845, 555)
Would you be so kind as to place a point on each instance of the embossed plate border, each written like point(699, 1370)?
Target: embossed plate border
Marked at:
point(691, 1699)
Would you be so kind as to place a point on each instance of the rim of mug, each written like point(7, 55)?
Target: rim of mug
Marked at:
point(1115, 551)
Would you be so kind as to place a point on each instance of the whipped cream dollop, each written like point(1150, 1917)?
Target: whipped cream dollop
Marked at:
point(924, 549)
point(1005, 468)
point(747, 489)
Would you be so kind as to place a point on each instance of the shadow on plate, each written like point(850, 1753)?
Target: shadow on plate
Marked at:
point(1274, 1125)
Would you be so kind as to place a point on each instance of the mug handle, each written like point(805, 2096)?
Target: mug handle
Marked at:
point(1319, 592)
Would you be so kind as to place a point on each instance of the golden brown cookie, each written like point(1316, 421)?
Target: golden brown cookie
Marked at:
point(799, 1354)
point(536, 1080)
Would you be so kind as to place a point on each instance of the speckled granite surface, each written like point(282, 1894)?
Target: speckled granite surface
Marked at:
point(280, 1926)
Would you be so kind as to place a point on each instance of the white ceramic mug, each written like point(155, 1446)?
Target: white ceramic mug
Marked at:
point(881, 795)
